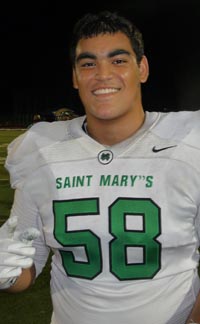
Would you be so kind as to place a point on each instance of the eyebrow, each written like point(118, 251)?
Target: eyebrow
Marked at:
point(89, 55)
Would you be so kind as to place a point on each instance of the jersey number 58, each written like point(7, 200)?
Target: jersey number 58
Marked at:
point(123, 238)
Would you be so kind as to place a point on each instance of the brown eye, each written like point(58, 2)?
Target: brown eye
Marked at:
point(119, 61)
point(88, 64)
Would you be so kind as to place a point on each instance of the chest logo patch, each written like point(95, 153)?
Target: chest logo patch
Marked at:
point(156, 150)
point(105, 156)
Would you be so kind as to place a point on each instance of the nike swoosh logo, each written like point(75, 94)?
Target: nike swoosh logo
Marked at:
point(156, 150)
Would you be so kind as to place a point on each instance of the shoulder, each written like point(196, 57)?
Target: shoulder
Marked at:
point(24, 152)
point(183, 116)
point(178, 125)
point(42, 134)
point(36, 137)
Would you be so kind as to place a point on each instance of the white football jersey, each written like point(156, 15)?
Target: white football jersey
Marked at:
point(122, 221)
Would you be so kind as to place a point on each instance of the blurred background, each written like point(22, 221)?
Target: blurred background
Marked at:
point(35, 73)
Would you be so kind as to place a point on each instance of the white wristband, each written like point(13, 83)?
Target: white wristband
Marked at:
point(8, 283)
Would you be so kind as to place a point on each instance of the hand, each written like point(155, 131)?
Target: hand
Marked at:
point(191, 322)
point(16, 252)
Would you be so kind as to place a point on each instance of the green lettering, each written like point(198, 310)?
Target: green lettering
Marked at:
point(59, 183)
point(115, 181)
point(89, 177)
point(133, 178)
point(124, 180)
point(80, 181)
point(105, 180)
point(149, 182)
point(67, 182)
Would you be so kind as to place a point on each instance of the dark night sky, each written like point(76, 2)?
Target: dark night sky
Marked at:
point(35, 72)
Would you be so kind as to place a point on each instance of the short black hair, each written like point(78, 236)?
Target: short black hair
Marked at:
point(106, 22)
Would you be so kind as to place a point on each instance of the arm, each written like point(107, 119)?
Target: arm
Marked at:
point(17, 270)
point(24, 281)
point(195, 313)
point(20, 266)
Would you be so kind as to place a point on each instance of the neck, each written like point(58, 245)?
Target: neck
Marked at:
point(110, 132)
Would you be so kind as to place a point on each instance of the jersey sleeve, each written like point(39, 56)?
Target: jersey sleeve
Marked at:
point(22, 160)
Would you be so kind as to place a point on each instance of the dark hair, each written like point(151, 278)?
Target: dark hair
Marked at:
point(102, 23)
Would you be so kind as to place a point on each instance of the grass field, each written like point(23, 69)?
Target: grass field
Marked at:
point(34, 305)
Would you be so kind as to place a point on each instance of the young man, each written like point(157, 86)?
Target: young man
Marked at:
point(114, 194)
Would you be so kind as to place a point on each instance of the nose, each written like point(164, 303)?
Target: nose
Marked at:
point(103, 71)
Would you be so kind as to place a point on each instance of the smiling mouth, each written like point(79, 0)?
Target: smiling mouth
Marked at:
point(105, 91)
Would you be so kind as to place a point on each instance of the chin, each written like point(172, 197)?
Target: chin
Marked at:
point(106, 116)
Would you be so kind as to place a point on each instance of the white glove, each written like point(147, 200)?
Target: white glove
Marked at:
point(16, 253)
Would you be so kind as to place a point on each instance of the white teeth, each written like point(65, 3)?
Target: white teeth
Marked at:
point(105, 91)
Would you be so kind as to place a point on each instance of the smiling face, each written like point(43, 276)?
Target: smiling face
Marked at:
point(108, 77)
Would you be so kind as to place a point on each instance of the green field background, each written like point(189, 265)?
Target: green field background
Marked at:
point(34, 305)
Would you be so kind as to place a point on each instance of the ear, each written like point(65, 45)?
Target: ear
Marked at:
point(74, 79)
point(144, 69)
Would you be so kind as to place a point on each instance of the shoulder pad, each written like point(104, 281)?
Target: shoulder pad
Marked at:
point(24, 151)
